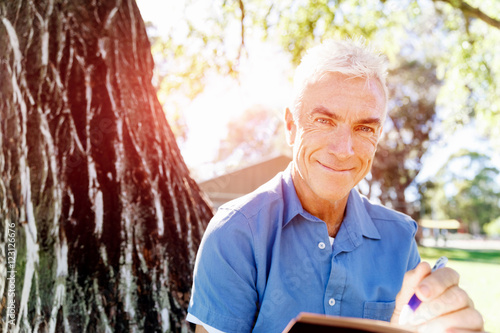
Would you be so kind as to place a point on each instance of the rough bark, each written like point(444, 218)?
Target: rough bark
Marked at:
point(94, 193)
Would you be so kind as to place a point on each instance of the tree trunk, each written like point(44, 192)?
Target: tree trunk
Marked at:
point(100, 220)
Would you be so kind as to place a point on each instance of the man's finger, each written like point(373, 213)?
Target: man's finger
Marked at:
point(451, 300)
point(436, 283)
point(410, 283)
point(467, 319)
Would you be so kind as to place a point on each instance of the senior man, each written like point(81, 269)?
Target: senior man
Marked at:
point(307, 241)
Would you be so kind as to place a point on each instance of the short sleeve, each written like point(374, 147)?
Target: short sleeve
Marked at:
point(224, 292)
point(414, 256)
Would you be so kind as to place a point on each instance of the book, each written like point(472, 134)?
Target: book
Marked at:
point(311, 322)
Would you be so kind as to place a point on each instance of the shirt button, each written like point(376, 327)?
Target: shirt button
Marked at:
point(321, 245)
point(331, 301)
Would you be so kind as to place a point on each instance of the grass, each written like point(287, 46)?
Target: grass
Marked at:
point(479, 271)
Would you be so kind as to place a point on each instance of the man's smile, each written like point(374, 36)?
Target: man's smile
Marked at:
point(335, 168)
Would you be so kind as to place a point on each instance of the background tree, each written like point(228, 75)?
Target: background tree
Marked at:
point(449, 46)
point(407, 134)
point(106, 217)
point(464, 189)
point(492, 228)
point(458, 38)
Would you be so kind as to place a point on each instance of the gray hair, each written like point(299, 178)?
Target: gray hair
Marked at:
point(353, 58)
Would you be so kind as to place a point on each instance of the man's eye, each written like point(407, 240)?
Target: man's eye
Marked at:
point(366, 129)
point(322, 121)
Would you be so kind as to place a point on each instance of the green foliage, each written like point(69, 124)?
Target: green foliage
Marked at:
point(471, 75)
point(187, 53)
point(449, 35)
point(442, 58)
point(493, 228)
point(462, 48)
point(408, 131)
point(465, 189)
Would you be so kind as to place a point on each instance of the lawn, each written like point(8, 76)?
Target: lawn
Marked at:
point(479, 271)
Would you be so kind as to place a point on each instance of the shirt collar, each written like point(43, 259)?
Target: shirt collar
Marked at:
point(293, 207)
point(357, 222)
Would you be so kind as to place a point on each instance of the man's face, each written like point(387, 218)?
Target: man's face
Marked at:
point(335, 135)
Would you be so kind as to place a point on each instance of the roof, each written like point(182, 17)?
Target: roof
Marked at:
point(245, 180)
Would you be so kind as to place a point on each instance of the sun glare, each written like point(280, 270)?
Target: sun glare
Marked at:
point(264, 79)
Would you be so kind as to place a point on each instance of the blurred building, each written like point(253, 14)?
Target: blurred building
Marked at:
point(438, 229)
point(440, 224)
point(240, 182)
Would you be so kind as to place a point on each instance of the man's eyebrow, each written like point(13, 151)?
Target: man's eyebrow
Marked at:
point(324, 111)
point(372, 120)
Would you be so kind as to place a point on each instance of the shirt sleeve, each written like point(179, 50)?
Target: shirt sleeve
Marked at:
point(208, 328)
point(224, 292)
point(414, 255)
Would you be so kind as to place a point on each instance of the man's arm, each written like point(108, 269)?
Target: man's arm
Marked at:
point(200, 329)
point(223, 295)
point(445, 306)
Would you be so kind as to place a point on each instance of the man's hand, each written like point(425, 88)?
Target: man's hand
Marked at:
point(445, 306)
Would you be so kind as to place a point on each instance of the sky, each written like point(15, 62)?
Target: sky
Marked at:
point(264, 80)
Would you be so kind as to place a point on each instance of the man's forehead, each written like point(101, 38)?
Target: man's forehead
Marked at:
point(337, 84)
point(343, 79)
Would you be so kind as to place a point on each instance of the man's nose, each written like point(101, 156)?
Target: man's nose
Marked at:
point(341, 143)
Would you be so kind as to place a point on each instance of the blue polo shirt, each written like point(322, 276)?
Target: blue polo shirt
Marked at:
point(263, 259)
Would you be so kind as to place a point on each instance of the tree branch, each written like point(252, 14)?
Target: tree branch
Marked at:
point(242, 45)
point(470, 11)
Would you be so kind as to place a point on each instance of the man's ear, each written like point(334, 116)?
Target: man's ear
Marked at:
point(380, 133)
point(290, 127)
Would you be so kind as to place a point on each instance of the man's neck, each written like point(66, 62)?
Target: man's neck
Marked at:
point(331, 212)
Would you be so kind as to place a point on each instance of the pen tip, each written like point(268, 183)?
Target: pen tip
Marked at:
point(406, 315)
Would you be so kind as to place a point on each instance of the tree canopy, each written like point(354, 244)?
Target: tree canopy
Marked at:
point(464, 189)
point(459, 38)
point(444, 74)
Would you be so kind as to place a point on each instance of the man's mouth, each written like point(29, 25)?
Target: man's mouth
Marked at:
point(335, 168)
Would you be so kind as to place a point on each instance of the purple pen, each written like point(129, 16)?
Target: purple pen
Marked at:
point(409, 309)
